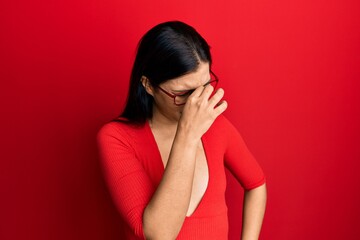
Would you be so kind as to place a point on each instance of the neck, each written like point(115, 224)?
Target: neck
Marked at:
point(163, 123)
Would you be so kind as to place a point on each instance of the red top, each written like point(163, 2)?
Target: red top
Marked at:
point(133, 169)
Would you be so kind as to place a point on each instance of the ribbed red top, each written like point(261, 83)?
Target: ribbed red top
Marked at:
point(133, 169)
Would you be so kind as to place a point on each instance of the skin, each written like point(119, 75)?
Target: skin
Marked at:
point(178, 131)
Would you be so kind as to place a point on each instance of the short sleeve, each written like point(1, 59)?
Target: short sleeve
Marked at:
point(128, 183)
point(240, 161)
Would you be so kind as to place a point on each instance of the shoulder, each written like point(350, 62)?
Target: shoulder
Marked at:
point(120, 129)
point(223, 129)
point(219, 130)
point(222, 123)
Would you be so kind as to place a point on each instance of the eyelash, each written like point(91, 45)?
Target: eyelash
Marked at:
point(183, 94)
point(188, 92)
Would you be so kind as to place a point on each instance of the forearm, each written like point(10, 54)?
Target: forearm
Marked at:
point(253, 212)
point(166, 212)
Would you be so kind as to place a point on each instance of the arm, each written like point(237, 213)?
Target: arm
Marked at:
point(166, 212)
point(242, 164)
point(253, 212)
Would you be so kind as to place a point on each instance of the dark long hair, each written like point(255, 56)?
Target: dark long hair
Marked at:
point(168, 50)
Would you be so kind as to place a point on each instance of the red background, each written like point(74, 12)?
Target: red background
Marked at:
point(290, 70)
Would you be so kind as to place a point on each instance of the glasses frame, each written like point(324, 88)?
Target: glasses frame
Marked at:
point(190, 91)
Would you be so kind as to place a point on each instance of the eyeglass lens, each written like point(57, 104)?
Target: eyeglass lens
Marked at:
point(181, 99)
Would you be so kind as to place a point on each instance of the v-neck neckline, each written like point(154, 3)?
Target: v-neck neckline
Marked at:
point(160, 164)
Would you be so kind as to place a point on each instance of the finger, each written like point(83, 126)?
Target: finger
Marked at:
point(216, 97)
point(198, 91)
point(206, 93)
point(220, 108)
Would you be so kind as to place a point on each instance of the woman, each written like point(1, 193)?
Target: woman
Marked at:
point(165, 156)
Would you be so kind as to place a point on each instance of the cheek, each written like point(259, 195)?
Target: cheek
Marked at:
point(160, 100)
point(166, 105)
point(164, 102)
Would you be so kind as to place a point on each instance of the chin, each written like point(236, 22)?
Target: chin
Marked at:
point(178, 116)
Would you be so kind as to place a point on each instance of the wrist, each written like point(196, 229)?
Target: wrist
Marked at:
point(188, 137)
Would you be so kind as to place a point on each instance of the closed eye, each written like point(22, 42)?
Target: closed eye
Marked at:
point(188, 92)
point(184, 93)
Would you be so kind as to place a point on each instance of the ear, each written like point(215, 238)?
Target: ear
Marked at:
point(147, 85)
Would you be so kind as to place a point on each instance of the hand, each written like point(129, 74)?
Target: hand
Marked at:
point(200, 111)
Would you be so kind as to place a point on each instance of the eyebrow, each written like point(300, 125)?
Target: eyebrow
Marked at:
point(186, 90)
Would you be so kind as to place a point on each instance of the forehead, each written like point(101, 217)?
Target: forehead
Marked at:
point(193, 79)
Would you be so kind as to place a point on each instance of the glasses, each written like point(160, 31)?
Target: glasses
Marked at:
point(180, 98)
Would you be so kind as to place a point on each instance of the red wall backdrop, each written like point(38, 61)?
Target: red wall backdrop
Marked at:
point(290, 70)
